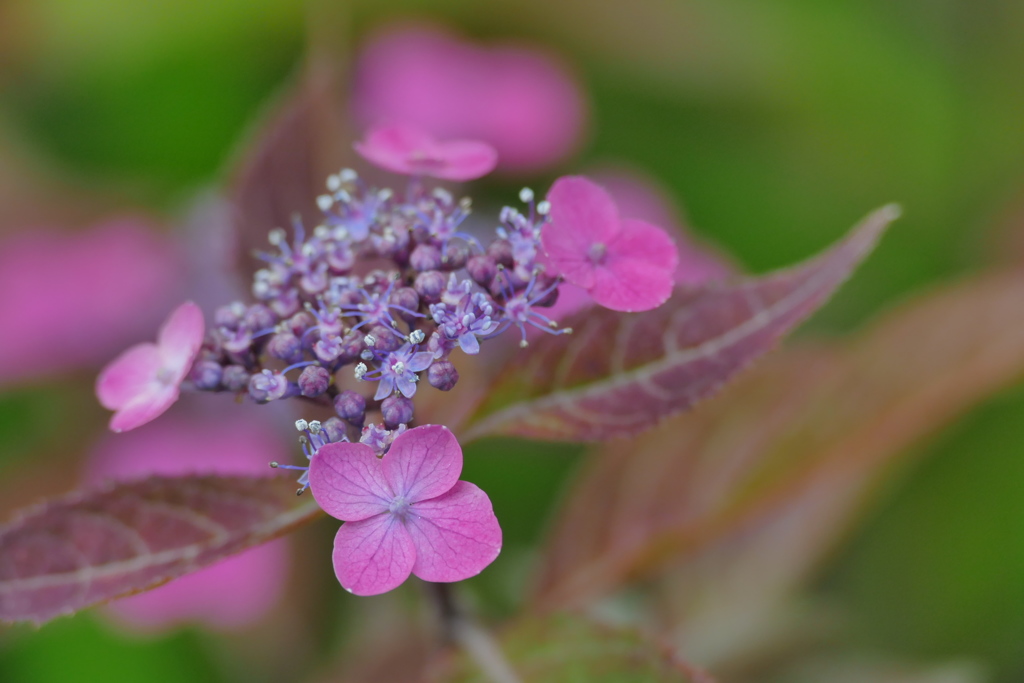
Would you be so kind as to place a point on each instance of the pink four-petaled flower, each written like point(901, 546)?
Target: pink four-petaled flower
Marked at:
point(145, 380)
point(408, 150)
point(406, 512)
point(625, 264)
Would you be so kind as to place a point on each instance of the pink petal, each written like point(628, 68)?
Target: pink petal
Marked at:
point(180, 338)
point(520, 100)
point(391, 146)
point(638, 196)
point(108, 279)
point(348, 482)
point(464, 160)
point(374, 555)
point(424, 462)
point(408, 150)
point(128, 376)
point(639, 273)
point(145, 408)
point(582, 214)
point(456, 535)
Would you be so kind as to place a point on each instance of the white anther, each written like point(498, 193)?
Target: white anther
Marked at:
point(385, 194)
point(523, 344)
point(417, 336)
point(566, 330)
point(325, 201)
point(398, 368)
point(502, 233)
point(276, 236)
point(308, 250)
point(333, 183)
point(466, 204)
point(526, 195)
point(544, 208)
point(347, 175)
point(322, 232)
point(301, 425)
point(314, 427)
point(552, 324)
point(343, 196)
point(369, 340)
point(442, 195)
point(360, 370)
point(366, 354)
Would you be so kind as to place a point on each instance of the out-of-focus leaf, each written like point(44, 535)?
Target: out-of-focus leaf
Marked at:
point(90, 547)
point(858, 670)
point(284, 168)
point(814, 427)
point(562, 648)
point(617, 375)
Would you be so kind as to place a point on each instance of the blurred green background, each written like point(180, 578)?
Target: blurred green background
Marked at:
point(776, 124)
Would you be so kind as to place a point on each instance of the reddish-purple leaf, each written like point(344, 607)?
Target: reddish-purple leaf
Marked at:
point(89, 547)
point(771, 473)
point(286, 165)
point(619, 374)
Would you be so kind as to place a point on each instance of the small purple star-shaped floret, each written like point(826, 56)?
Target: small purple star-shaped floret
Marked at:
point(379, 438)
point(398, 371)
point(405, 513)
point(461, 322)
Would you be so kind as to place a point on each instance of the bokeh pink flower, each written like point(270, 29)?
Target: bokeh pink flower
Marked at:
point(405, 513)
point(70, 299)
point(521, 100)
point(624, 264)
point(145, 380)
point(238, 590)
point(411, 151)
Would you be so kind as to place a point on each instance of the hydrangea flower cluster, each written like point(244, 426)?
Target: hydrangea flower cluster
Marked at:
point(385, 290)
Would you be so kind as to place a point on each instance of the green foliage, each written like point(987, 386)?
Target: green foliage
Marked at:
point(89, 651)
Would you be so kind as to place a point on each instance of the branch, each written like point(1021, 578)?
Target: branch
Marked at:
point(460, 629)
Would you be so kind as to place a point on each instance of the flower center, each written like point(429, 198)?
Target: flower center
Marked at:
point(165, 376)
point(597, 252)
point(399, 506)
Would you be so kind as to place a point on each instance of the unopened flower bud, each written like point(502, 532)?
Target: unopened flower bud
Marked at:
point(501, 252)
point(481, 268)
point(544, 282)
point(408, 299)
point(385, 340)
point(300, 322)
point(429, 285)
point(285, 346)
point(267, 386)
point(235, 378)
point(455, 256)
point(229, 316)
point(351, 407)
point(334, 428)
point(314, 381)
point(425, 257)
point(396, 410)
point(259, 317)
point(442, 375)
point(206, 375)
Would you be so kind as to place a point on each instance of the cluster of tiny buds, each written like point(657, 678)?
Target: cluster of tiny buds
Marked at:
point(320, 306)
